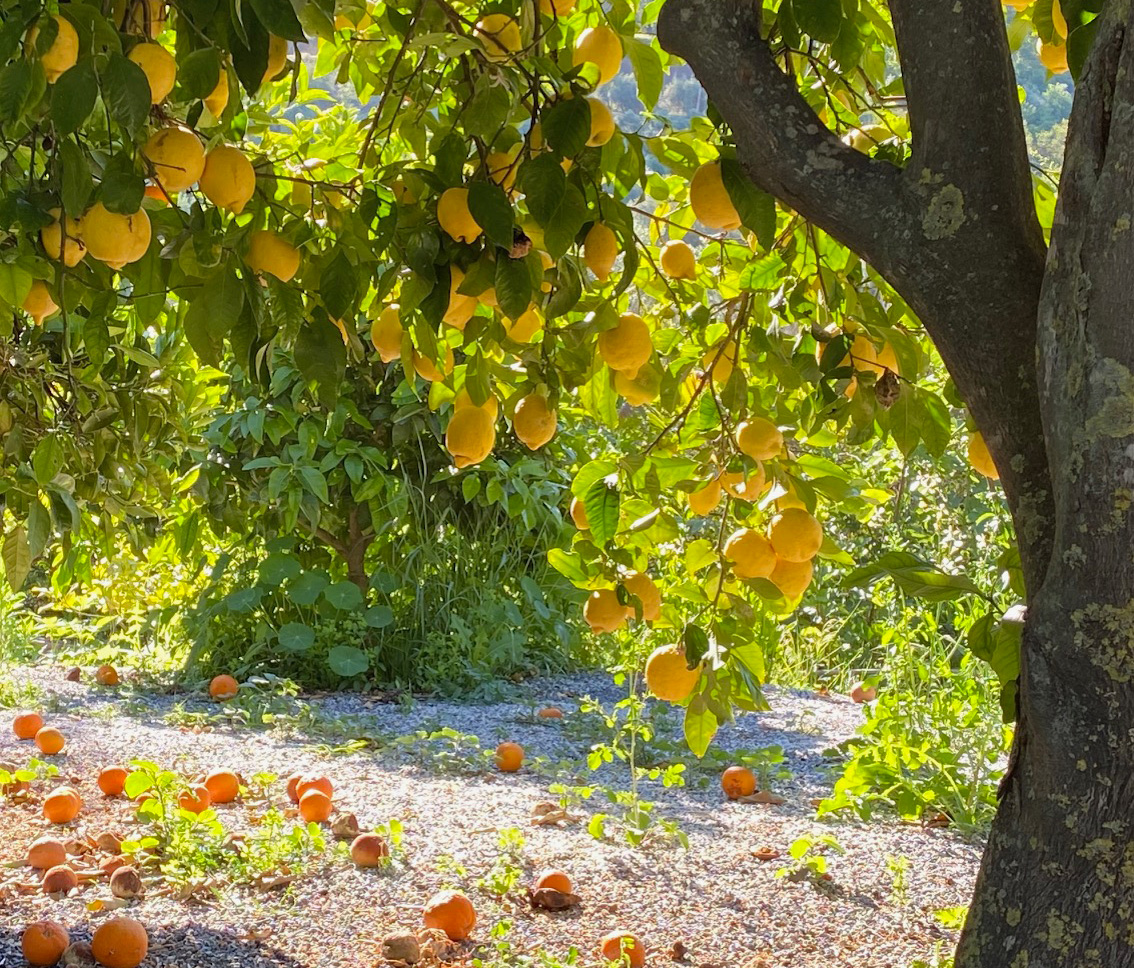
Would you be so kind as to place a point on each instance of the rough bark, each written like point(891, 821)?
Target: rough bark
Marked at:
point(960, 244)
point(955, 233)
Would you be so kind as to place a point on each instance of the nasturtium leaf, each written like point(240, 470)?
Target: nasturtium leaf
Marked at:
point(347, 661)
point(296, 637)
point(344, 595)
point(278, 568)
point(306, 588)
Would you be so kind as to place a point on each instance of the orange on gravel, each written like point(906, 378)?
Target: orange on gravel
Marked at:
point(26, 725)
point(509, 757)
point(863, 693)
point(43, 943)
point(223, 687)
point(60, 880)
point(451, 912)
point(112, 780)
point(556, 879)
point(196, 799)
point(738, 781)
point(120, 943)
point(45, 853)
point(106, 675)
point(369, 850)
point(62, 805)
point(315, 806)
point(49, 740)
point(620, 945)
point(314, 781)
point(550, 712)
point(223, 786)
point(293, 787)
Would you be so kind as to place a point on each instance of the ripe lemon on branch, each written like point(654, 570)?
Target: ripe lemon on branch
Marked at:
point(668, 675)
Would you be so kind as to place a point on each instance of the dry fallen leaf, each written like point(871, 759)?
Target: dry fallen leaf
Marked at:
point(345, 827)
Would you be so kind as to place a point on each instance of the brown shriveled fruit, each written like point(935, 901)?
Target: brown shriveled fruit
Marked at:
point(60, 880)
point(402, 946)
point(79, 955)
point(126, 882)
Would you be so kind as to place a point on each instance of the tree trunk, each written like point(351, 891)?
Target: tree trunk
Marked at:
point(1043, 353)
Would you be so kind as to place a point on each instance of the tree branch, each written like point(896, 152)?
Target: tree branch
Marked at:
point(781, 143)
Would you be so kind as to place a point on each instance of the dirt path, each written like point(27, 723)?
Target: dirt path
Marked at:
point(714, 901)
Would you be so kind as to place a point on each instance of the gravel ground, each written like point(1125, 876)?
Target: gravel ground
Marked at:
point(713, 904)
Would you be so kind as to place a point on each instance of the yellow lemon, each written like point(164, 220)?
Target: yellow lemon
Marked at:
point(1058, 21)
point(64, 239)
point(600, 250)
point(160, 69)
point(746, 488)
point(454, 216)
point(431, 371)
point(503, 167)
point(556, 8)
point(277, 58)
point(116, 239)
point(461, 308)
point(579, 515)
point(146, 19)
point(980, 459)
point(603, 612)
point(534, 421)
point(218, 100)
point(177, 156)
point(63, 52)
point(602, 47)
point(642, 587)
point(640, 389)
point(491, 405)
point(668, 675)
point(1053, 57)
point(525, 326)
point(386, 334)
point(796, 535)
point(627, 346)
point(751, 554)
point(271, 254)
point(602, 123)
point(548, 263)
point(792, 577)
point(38, 302)
point(678, 260)
point(500, 35)
point(759, 438)
point(867, 138)
point(229, 180)
point(470, 436)
point(720, 360)
point(710, 199)
point(706, 498)
point(1017, 4)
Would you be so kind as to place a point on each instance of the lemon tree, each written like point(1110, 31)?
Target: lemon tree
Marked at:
point(526, 215)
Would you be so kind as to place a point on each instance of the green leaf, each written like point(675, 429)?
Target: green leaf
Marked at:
point(696, 643)
point(250, 54)
point(543, 180)
point(569, 565)
point(914, 576)
point(47, 460)
point(16, 553)
point(347, 661)
point(489, 206)
point(700, 726)
point(199, 73)
point(278, 568)
point(126, 92)
point(338, 286)
point(122, 191)
point(15, 283)
point(137, 783)
point(77, 183)
point(296, 637)
point(567, 126)
point(344, 595)
point(73, 97)
point(757, 209)
point(39, 528)
point(378, 616)
point(602, 502)
point(487, 112)
point(278, 16)
point(559, 234)
point(822, 19)
point(513, 286)
point(648, 71)
point(306, 589)
point(214, 308)
point(18, 88)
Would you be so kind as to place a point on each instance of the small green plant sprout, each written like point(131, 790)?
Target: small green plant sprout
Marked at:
point(506, 870)
point(13, 779)
point(899, 868)
point(809, 859)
